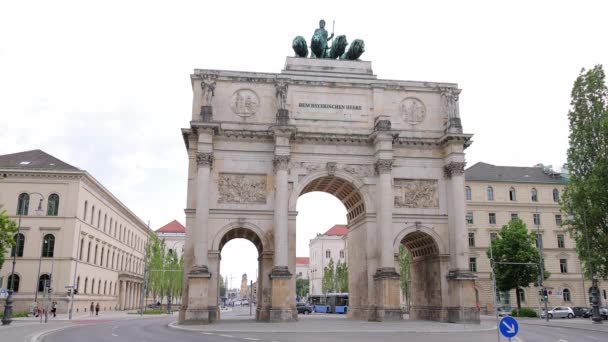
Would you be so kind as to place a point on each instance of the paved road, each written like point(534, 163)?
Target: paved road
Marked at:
point(157, 329)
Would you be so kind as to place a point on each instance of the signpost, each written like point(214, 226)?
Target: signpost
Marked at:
point(508, 327)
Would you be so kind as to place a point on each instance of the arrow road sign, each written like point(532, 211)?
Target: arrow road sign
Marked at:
point(508, 327)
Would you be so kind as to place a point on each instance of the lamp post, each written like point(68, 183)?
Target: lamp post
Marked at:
point(7, 316)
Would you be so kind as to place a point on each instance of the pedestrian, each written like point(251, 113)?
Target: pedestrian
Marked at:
point(54, 309)
point(97, 309)
point(39, 310)
point(91, 309)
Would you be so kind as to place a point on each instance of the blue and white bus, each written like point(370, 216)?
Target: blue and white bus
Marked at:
point(330, 303)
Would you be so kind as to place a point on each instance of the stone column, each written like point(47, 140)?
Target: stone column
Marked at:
point(386, 278)
point(199, 311)
point(454, 172)
point(281, 198)
point(123, 294)
point(282, 306)
point(461, 282)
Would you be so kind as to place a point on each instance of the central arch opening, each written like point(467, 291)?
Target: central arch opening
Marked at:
point(240, 251)
point(326, 206)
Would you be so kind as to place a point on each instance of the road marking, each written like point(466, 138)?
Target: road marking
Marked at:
point(113, 334)
point(251, 339)
point(226, 335)
point(206, 333)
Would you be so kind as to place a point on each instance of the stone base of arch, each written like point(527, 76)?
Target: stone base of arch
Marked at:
point(283, 305)
point(199, 311)
point(386, 284)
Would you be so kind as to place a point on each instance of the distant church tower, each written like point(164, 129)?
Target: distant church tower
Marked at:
point(244, 286)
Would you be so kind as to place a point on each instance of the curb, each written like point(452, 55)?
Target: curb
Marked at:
point(174, 325)
point(38, 336)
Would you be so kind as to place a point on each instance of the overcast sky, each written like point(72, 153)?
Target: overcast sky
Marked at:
point(105, 85)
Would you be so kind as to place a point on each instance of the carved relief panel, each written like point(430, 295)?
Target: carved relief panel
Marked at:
point(242, 188)
point(416, 193)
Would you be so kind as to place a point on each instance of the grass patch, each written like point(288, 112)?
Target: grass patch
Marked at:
point(20, 314)
point(524, 312)
point(150, 312)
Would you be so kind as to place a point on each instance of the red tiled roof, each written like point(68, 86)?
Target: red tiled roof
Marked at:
point(337, 230)
point(172, 227)
point(302, 260)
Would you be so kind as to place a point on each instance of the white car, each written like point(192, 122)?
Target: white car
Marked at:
point(560, 312)
point(236, 302)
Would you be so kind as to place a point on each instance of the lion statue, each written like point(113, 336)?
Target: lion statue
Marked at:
point(355, 50)
point(338, 47)
point(300, 47)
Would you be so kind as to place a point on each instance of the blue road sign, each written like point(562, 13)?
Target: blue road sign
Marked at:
point(508, 327)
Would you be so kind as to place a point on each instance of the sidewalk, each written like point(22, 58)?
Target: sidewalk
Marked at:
point(333, 323)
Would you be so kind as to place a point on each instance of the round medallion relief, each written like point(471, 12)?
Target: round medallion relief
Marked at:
point(412, 110)
point(245, 102)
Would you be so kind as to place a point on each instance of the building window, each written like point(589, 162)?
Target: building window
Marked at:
point(490, 193)
point(19, 244)
point(492, 218)
point(558, 220)
point(566, 294)
point(98, 218)
point(467, 191)
point(555, 195)
point(536, 218)
point(471, 239)
point(101, 258)
point(89, 253)
point(48, 246)
point(512, 194)
point(521, 294)
point(105, 220)
point(84, 213)
point(95, 256)
point(469, 217)
point(52, 208)
point(44, 281)
point(328, 254)
point(534, 195)
point(13, 280)
point(23, 204)
point(92, 214)
point(473, 264)
point(514, 216)
point(81, 247)
point(560, 241)
point(604, 291)
point(563, 265)
point(341, 254)
point(539, 241)
point(493, 236)
point(86, 284)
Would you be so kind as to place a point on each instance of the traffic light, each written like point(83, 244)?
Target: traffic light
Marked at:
point(75, 291)
point(69, 292)
point(545, 294)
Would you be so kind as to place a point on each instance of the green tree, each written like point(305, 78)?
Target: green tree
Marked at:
point(341, 277)
point(328, 282)
point(586, 194)
point(405, 259)
point(514, 244)
point(8, 228)
point(302, 286)
point(222, 286)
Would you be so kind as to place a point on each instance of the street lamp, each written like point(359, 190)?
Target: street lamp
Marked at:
point(7, 317)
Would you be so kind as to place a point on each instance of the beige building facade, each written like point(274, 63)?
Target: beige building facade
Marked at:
point(330, 245)
point(391, 151)
point(303, 267)
point(82, 236)
point(497, 194)
point(174, 234)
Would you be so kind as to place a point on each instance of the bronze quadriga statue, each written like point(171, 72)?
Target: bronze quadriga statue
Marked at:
point(320, 49)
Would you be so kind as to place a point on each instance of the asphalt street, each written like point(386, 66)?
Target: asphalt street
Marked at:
point(157, 329)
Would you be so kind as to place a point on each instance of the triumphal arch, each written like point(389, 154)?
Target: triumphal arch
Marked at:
point(391, 151)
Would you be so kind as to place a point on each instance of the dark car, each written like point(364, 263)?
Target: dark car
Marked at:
point(603, 313)
point(303, 308)
point(580, 311)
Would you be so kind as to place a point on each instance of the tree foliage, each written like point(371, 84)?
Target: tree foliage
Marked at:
point(302, 286)
point(165, 270)
point(335, 277)
point(405, 260)
point(586, 194)
point(8, 228)
point(514, 244)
